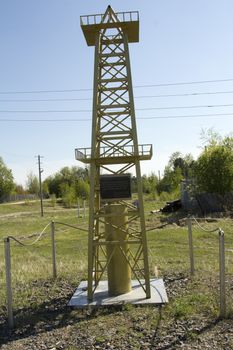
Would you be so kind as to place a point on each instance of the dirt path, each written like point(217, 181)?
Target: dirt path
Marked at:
point(25, 213)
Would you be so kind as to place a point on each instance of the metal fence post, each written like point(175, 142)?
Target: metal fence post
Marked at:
point(8, 282)
point(191, 256)
point(53, 249)
point(222, 274)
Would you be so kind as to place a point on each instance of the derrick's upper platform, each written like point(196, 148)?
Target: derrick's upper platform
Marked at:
point(127, 21)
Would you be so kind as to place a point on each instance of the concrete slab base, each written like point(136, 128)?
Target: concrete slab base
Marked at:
point(135, 296)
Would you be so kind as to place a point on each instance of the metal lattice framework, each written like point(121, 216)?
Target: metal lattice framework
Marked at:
point(115, 146)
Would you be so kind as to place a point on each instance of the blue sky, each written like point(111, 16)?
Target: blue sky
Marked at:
point(43, 48)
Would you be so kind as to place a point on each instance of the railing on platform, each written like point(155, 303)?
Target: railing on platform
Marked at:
point(124, 151)
point(98, 18)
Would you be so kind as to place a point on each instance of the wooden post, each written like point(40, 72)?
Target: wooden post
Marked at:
point(191, 256)
point(222, 274)
point(8, 282)
point(84, 208)
point(41, 192)
point(78, 209)
point(53, 249)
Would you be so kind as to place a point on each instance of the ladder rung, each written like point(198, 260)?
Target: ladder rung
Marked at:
point(114, 54)
point(106, 89)
point(113, 64)
point(112, 41)
point(117, 113)
point(113, 80)
point(103, 107)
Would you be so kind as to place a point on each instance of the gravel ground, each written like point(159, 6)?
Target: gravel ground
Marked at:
point(54, 326)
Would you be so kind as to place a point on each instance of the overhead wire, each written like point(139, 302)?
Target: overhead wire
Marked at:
point(143, 96)
point(187, 94)
point(188, 116)
point(135, 86)
point(141, 118)
point(185, 83)
point(138, 109)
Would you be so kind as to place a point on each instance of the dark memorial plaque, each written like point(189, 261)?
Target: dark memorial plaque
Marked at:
point(114, 187)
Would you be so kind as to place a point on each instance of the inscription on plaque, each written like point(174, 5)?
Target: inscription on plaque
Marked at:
point(114, 187)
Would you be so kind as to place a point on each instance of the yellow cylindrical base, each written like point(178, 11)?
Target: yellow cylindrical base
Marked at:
point(119, 271)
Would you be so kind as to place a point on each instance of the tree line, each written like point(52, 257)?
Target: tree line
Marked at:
point(212, 172)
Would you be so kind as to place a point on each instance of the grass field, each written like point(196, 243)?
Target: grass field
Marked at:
point(34, 262)
point(168, 251)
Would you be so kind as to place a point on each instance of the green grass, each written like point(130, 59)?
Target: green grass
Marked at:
point(167, 247)
point(33, 263)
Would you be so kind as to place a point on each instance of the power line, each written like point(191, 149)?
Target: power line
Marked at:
point(141, 118)
point(144, 96)
point(50, 99)
point(184, 107)
point(45, 120)
point(189, 116)
point(187, 94)
point(48, 111)
point(185, 83)
point(136, 86)
point(41, 91)
point(138, 109)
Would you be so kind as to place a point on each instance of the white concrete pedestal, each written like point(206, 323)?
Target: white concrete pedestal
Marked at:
point(135, 296)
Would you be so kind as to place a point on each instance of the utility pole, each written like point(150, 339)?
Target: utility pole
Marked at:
point(41, 193)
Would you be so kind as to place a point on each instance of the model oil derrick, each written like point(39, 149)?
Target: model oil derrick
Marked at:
point(117, 245)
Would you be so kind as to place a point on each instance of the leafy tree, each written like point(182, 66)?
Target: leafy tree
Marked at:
point(145, 184)
point(75, 177)
point(53, 184)
point(82, 189)
point(19, 189)
point(53, 200)
point(214, 167)
point(45, 189)
point(32, 184)
point(6, 180)
point(185, 163)
point(178, 168)
point(171, 180)
point(150, 184)
point(69, 197)
point(210, 137)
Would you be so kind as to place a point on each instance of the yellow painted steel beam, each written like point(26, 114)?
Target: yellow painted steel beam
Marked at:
point(114, 149)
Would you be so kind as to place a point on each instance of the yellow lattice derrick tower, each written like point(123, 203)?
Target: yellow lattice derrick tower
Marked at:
point(117, 245)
